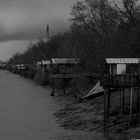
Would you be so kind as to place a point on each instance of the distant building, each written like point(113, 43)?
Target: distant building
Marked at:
point(39, 63)
point(46, 64)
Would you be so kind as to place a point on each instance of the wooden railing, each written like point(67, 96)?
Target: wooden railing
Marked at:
point(126, 80)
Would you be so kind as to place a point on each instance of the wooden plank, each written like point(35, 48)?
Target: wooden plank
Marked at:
point(95, 90)
point(68, 75)
point(127, 80)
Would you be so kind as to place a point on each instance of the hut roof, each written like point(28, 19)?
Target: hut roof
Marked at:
point(65, 60)
point(39, 62)
point(122, 60)
point(46, 62)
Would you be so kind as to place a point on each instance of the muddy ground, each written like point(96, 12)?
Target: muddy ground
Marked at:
point(81, 116)
point(88, 115)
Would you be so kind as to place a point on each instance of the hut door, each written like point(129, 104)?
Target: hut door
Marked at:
point(113, 69)
point(121, 68)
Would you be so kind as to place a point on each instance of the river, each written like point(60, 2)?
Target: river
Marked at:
point(26, 112)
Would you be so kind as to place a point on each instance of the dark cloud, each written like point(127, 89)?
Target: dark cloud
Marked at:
point(22, 20)
point(26, 19)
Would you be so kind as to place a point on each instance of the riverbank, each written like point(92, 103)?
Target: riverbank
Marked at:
point(88, 116)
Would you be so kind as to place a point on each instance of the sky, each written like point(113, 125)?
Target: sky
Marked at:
point(24, 20)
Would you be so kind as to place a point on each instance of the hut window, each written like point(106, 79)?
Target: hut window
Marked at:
point(121, 68)
point(62, 68)
point(132, 69)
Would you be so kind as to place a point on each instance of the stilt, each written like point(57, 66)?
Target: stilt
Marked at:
point(53, 88)
point(64, 84)
point(123, 100)
point(108, 104)
point(138, 103)
point(131, 107)
point(105, 110)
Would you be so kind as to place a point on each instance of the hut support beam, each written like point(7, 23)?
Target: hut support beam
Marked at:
point(123, 100)
point(106, 108)
point(53, 88)
point(138, 103)
point(131, 107)
point(64, 84)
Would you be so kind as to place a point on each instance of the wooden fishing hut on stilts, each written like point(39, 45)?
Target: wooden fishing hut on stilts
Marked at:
point(43, 70)
point(63, 68)
point(46, 64)
point(123, 73)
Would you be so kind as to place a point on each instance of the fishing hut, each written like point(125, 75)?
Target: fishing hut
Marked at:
point(63, 68)
point(46, 71)
point(43, 68)
point(64, 65)
point(46, 64)
point(121, 73)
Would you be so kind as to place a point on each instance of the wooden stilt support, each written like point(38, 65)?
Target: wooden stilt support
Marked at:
point(52, 93)
point(108, 104)
point(120, 97)
point(123, 100)
point(105, 110)
point(53, 86)
point(138, 103)
point(105, 92)
point(131, 107)
point(64, 84)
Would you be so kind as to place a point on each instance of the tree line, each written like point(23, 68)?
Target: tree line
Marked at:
point(98, 29)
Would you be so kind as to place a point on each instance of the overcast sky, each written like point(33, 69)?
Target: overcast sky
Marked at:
point(24, 20)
